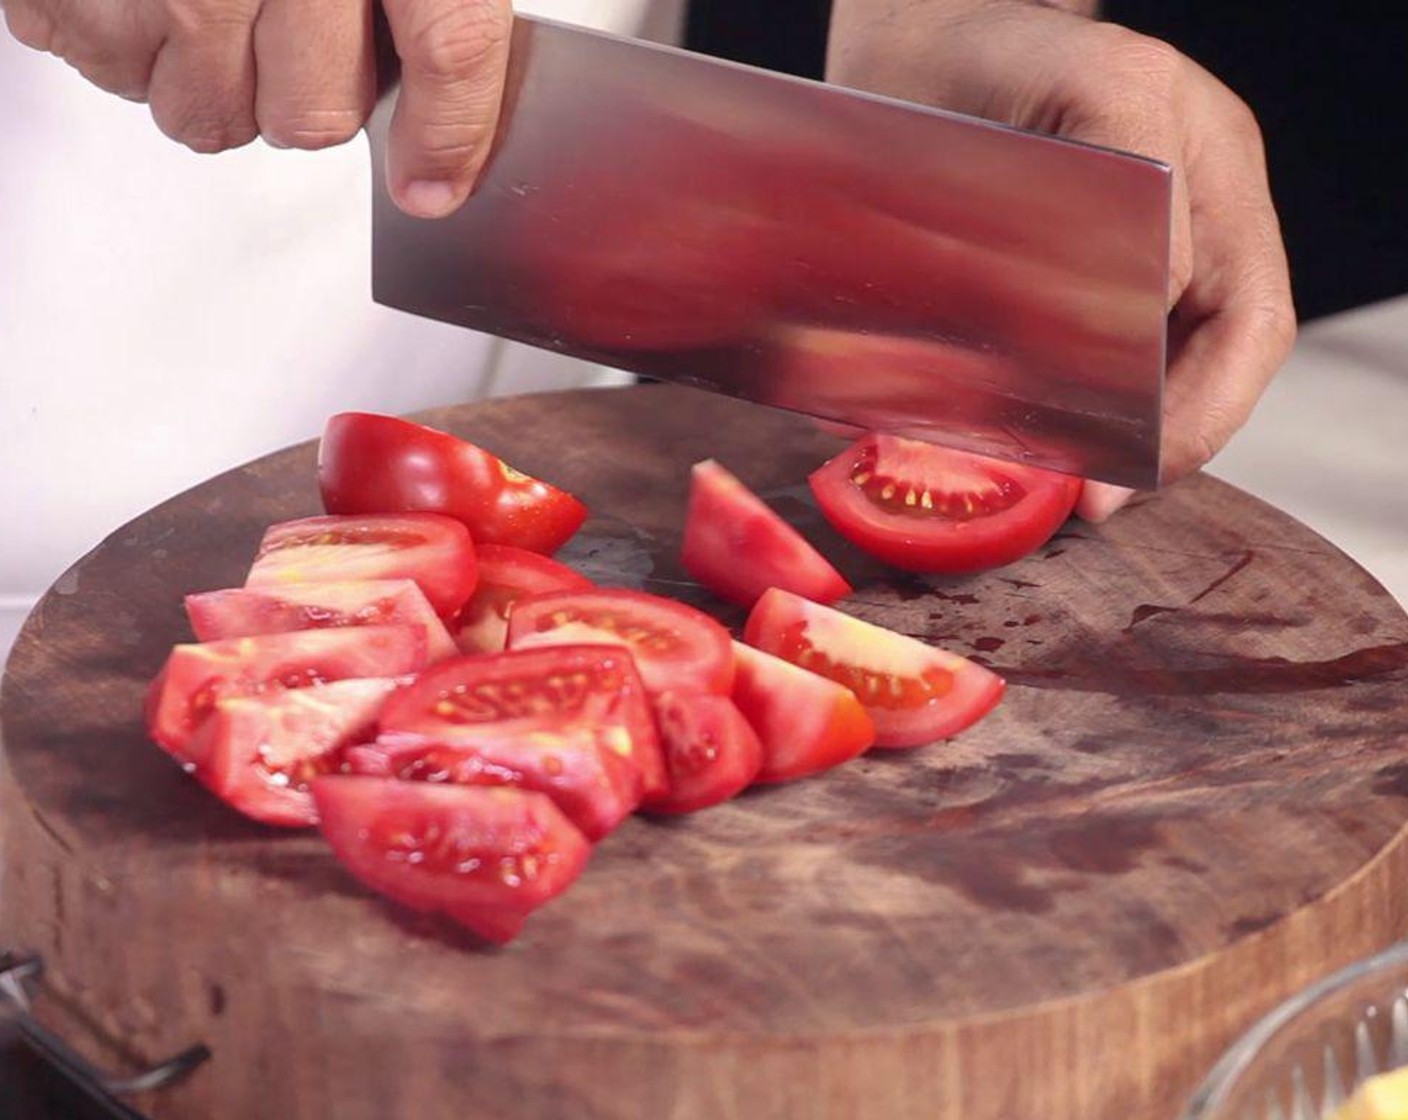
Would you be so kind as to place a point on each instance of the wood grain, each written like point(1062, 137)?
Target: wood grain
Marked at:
point(1191, 801)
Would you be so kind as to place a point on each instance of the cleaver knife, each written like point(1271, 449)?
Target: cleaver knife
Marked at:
point(859, 259)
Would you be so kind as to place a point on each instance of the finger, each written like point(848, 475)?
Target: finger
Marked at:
point(316, 78)
point(454, 58)
point(202, 83)
point(1100, 500)
point(112, 45)
point(1236, 323)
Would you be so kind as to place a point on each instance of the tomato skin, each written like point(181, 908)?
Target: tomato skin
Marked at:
point(711, 750)
point(913, 692)
point(196, 676)
point(436, 552)
point(675, 646)
point(535, 690)
point(368, 463)
point(726, 522)
point(805, 722)
point(240, 612)
point(507, 574)
point(1018, 507)
point(487, 857)
point(258, 753)
point(575, 764)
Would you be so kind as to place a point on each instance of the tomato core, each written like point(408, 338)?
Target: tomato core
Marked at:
point(491, 700)
point(874, 690)
point(360, 536)
point(894, 493)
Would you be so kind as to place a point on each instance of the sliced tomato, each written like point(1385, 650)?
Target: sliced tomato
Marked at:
point(507, 574)
point(738, 547)
point(380, 464)
point(259, 753)
point(675, 646)
point(239, 612)
point(196, 676)
point(537, 690)
point(575, 764)
point(711, 751)
point(805, 723)
point(436, 552)
point(926, 508)
point(914, 692)
point(486, 857)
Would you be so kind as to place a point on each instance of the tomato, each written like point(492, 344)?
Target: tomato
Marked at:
point(574, 763)
point(674, 645)
point(505, 575)
point(805, 723)
point(914, 693)
point(711, 751)
point(486, 857)
point(436, 552)
point(379, 464)
point(926, 508)
point(259, 753)
point(195, 676)
point(536, 690)
point(737, 547)
point(239, 612)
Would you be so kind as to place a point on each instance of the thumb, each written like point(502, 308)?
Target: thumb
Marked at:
point(454, 60)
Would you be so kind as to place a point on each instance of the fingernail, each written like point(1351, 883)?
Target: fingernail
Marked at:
point(1098, 500)
point(429, 198)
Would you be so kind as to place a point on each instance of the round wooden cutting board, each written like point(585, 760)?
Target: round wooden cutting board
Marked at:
point(1191, 801)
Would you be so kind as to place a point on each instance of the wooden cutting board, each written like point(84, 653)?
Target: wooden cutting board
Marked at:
point(1191, 802)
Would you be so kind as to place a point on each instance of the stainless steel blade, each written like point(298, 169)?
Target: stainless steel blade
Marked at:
point(856, 258)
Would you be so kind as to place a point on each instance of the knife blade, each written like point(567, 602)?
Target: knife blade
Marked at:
point(860, 259)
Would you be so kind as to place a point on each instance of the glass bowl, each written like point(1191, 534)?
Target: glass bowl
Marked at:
point(1308, 1056)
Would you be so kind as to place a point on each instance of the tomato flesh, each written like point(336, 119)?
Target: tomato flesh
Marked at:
point(805, 723)
point(914, 693)
point(435, 552)
point(487, 857)
point(674, 646)
point(239, 612)
point(711, 750)
point(260, 753)
point(196, 676)
point(507, 574)
point(536, 690)
point(926, 508)
point(575, 763)
point(370, 464)
point(738, 547)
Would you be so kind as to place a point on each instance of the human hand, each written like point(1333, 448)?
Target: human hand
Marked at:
point(1231, 322)
point(300, 73)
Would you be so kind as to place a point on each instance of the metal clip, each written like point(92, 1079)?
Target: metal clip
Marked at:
point(17, 972)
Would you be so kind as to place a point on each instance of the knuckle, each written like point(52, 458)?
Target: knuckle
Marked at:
point(200, 127)
point(1151, 61)
point(452, 41)
point(310, 129)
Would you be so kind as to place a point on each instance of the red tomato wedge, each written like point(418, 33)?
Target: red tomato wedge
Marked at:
point(239, 612)
point(196, 676)
point(575, 764)
point(932, 509)
point(259, 753)
point(436, 552)
point(486, 857)
point(507, 574)
point(379, 464)
point(674, 645)
point(537, 690)
point(804, 722)
point(711, 751)
point(738, 547)
point(913, 692)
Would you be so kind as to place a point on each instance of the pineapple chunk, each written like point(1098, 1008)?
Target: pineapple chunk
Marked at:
point(1380, 1098)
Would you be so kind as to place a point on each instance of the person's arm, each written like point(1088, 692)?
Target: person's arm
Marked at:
point(1232, 322)
point(300, 73)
